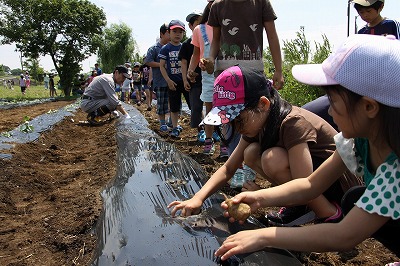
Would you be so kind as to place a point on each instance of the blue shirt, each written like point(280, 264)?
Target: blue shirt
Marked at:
point(170, 53)
point(386, 27)
point(152, 56)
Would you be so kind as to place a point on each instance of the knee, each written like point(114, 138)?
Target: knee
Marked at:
point(274, 161)
point(252, 155)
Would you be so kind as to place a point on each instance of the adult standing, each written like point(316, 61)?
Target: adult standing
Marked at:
point(159, 83)
point(100, 97)
point(22, 84)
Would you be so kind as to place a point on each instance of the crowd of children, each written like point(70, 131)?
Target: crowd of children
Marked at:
point(311, 166)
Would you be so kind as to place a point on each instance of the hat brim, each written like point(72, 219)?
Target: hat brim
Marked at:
point(222, 114)
point(190, 16)
point(312, 74)
point(177, 27)
point(126, 75)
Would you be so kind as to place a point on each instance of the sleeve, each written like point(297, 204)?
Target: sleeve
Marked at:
point(382, 194)
point(163, 53)
point(150, 57)
point(268, 11)
point(184, 52)
point(346, 149)
point(195, 36)
point(213, 19)
point(295, 130)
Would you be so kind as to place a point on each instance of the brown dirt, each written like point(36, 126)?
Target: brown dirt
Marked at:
point(50, 192)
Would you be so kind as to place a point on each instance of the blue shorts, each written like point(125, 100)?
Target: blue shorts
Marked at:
point(137, 87)
point(207, 91)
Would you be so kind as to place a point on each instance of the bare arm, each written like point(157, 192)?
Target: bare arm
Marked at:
point(216, 181)
point(184, 66)
point(215, 44)
point(194, 61)
point(274, 45)
point(171, 84)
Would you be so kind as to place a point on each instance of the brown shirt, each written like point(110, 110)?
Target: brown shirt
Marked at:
point(302, 126)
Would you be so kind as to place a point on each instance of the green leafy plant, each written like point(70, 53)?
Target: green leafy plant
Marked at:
point(26, 127)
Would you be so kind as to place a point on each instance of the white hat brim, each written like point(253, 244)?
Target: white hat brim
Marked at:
point(312, 74)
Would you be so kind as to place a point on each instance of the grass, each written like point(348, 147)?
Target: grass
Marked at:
point(32, 93)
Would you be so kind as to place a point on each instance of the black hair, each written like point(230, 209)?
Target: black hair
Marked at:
point(193, 19)
point(163, 28)
point(279, 109)
point(389, 116)
point(378, 4)
point(206, 13)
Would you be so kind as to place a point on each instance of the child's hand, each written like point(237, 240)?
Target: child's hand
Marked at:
point(191, 75)
point(244, 197)
point(171, 85)
point(277, 80)
point(242, 242)
point(207, 64)
point(187, 207)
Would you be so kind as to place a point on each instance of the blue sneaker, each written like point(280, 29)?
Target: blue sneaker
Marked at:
point(201, 136)
point(175, 133)
point(164, 129)
point(216, 137)
point(179, 128)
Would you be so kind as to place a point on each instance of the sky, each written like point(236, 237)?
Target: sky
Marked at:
point(145, 18)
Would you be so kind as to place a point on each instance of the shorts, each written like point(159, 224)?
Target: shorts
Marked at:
point(23, 89)
point(137, 87)
point(162, 100)
point(207, 91)
point(175, 97)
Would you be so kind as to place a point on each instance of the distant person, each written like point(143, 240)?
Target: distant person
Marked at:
point(137, 83)
point(98, 69)
point(22, 84)
point(100, 98)
point(146, 84)
point(160, 86)
point(46, 81)
point(52, 86)
point(170, 67)
point(27, 79)
point(370, 12)
point(126, 87)
point(93, 74)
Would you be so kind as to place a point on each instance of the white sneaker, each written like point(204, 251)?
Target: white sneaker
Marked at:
point(115, 114)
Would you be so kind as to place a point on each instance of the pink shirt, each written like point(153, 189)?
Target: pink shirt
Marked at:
point(197, 38)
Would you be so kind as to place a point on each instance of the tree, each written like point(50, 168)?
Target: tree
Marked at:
point(117, 46)
point(298, 51)
point(66, 30)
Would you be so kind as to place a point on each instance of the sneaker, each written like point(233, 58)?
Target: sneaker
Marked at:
point(139, 103)
point(216, 137)
point(148, 108)
point(164, 128)
point(209, 147)
point(237, 179)
point(201, 136)
point(291, 216)
point(337, 217)
point(175, 133)
point(115, 114)
point(179, 128)
point(248, 174)
point(223, 151)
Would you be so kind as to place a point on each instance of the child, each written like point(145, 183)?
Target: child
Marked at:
point(202, 39)
point(370, 12)
point(22, 84)
point(170, 68)
point(193, 85)
point(362, 79)
point(159, 84)
point(238, 29)
point(137, 83)
point(279, 141)
point(146, 85)
point(126, 86)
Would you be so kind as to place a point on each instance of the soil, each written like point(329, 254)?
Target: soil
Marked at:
point(50, 192)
